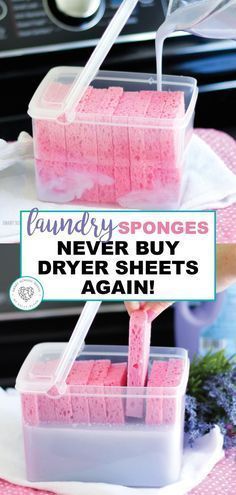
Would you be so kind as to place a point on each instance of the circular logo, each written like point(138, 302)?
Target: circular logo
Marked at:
point(26, 293)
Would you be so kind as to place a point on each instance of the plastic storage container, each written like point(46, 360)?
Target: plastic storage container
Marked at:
point(140, 452)
point(125, 147)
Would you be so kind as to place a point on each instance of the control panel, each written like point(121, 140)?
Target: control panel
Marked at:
point(34, 26)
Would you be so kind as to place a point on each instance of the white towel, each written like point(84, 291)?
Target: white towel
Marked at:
point(207, 183)
point(197, 462)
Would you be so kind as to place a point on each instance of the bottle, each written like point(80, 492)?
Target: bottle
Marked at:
point(221, 334)
point(206, 18)
point(191, 318)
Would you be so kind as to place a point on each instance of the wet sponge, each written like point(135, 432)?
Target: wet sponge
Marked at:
point(164, 375)
point(138, 357)
point(157, 378)
point(97, 405)
point(77, 379)
point(116, 377)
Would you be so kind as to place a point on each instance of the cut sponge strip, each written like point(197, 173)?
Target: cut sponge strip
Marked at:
point(52, 407)
point(79, 376)
point(173, 379)
point(29, 409)
point(125, 107)
point(46, 403)
point(97, 405)
point(152, 138)
point(137, 139)
point(106, 192)
point(62, 408)
point(157, 378)
point(56, 93)
point(50, 135)
point(88, 144)
point(74, 145)
point(138, 357)
point(171, 146)
point(116, 377)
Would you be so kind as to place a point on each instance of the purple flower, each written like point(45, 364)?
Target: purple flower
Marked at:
point(217, 406)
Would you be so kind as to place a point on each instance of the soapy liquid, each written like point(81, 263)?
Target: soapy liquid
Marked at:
point(208, 19)
point(132, 456)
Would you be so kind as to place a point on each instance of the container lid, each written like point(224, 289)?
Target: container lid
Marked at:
point(36, 377)
point(50, 97)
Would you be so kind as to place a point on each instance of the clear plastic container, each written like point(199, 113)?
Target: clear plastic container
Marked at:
point(109, 155)
point(142, 452)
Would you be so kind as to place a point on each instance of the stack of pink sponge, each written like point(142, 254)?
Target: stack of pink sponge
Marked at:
point(121, 142)
point(95, 388)
point(95, 395)
point(80, 405)
point(164, 376)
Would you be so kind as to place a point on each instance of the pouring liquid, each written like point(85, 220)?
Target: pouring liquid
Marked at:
point(205, 18)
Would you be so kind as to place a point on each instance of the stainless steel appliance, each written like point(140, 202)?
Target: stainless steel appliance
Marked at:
point(36, 26)
point(35, 36)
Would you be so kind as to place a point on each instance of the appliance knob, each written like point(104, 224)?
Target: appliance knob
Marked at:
point(78, 8)
point(3, 10)
point(75, 15)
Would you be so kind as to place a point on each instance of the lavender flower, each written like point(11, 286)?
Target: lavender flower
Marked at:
point(216, 406)
point(194, 425)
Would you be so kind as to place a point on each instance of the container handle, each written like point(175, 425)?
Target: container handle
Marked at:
point(99, 54)
point(75, 344)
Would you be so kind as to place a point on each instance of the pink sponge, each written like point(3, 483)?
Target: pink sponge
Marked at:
point(62, 407)
point(45, 131)
point(171, 143)
point(173, 378)
point(88, 137)
point(137, 140)
point(46, 403)
point(79, 376)
point(30, 409)
point(106, 192)
point(121, 149)
point(157, 378)
point(139, 346)
point(153, 140)
point(116, 377)
point(46, 408)
point(97, 405)
point(55, 93)
point(50, 136)
point(53, 407)
point(74, 144)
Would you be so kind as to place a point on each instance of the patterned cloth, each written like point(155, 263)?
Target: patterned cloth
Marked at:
point(221, 481)
point(225, 147)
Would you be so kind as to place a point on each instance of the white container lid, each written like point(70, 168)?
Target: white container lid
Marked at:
point(44, 106)
point(35, 378)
